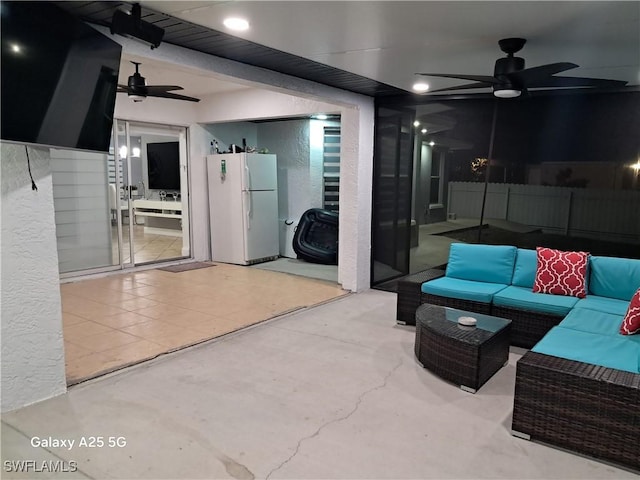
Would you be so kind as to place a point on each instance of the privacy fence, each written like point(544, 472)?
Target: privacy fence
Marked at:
point(607, 214)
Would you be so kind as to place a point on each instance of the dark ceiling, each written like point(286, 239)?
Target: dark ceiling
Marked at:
point(206, 40)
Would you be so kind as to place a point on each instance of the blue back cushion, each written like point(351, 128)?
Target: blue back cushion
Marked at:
point(462, 289)
point(524, 273)
point(614, 277)
point(481, 263)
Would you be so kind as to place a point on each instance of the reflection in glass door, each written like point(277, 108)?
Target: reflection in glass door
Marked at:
point(153, 208)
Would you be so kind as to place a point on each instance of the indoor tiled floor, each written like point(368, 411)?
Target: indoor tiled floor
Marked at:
point(147, 247)
point(122, 319)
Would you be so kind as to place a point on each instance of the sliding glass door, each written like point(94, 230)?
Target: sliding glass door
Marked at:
point(126, 207)
point(152, 193)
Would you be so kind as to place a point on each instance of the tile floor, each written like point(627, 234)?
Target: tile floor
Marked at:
point(119, 320)
point(147, 247)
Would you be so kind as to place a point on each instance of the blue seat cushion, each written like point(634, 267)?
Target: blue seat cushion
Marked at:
point(593, 348)
point(604, 304)
point(462, 289)
point(524, 272)
point(524, 299)
point(614, 277)
point(481, 263)
point(594, 321)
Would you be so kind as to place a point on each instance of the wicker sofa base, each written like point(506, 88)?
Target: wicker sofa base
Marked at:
point(580, 407)
point(527, 327)
point(468, 305)
point(409, 294)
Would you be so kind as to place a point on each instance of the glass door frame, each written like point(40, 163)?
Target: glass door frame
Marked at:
point(119, 259)
point(120, 185)
point(182, 136)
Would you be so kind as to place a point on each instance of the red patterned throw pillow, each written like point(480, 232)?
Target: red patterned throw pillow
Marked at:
point(631, 322)
point(561, 273)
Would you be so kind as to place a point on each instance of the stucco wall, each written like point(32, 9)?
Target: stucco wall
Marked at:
point(289, 140)
point(31, 318)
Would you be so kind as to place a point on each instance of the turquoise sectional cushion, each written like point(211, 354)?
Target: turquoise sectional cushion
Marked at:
point(524, 272)
point(604, 304)
point(524, 298)
point(481, 263)
point(593, 321)
point(597, 349)
point(462, 289)
point(614, 277)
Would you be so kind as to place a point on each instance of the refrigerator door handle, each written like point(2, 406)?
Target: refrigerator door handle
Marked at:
point(248, 208)
point(247, 176)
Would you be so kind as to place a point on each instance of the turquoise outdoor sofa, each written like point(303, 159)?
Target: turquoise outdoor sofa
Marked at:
point(578, 387)
point(498, 279)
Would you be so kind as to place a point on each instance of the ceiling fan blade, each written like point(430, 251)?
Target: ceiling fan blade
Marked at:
point(464, 87)
point(475, 78)
point(559, 82)
point(162, 88)
point(541, 73)
point(174, 96)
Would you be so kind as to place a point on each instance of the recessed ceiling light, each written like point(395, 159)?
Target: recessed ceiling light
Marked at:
point(416, 123)
point(420, 87)
point(320, 116)
point(15, 48)
point(236, 23)
point(432, 143)
point(424, 130)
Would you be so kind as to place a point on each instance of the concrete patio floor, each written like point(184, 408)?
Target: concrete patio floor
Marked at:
point(329, 392)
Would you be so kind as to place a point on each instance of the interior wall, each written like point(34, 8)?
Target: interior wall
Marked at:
point(227, 133)
point(32, 346)
point(289, 140)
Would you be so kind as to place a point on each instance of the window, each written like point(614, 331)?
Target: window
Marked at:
point(331, 168)
point(435, 190)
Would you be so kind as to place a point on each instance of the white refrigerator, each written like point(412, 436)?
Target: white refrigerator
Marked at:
point(243, 207)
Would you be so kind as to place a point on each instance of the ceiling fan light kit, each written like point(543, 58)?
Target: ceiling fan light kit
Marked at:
point(510, 77)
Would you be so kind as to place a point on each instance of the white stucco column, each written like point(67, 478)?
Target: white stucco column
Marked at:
point(30, 308)
point(356, 167)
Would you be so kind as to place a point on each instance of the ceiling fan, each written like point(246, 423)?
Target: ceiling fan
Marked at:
point(137, 89)
point(510, 78)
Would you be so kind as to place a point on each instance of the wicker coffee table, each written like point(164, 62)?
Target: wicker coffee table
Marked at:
point(466, 356)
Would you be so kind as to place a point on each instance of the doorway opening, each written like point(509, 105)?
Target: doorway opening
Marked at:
point(149, 185)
